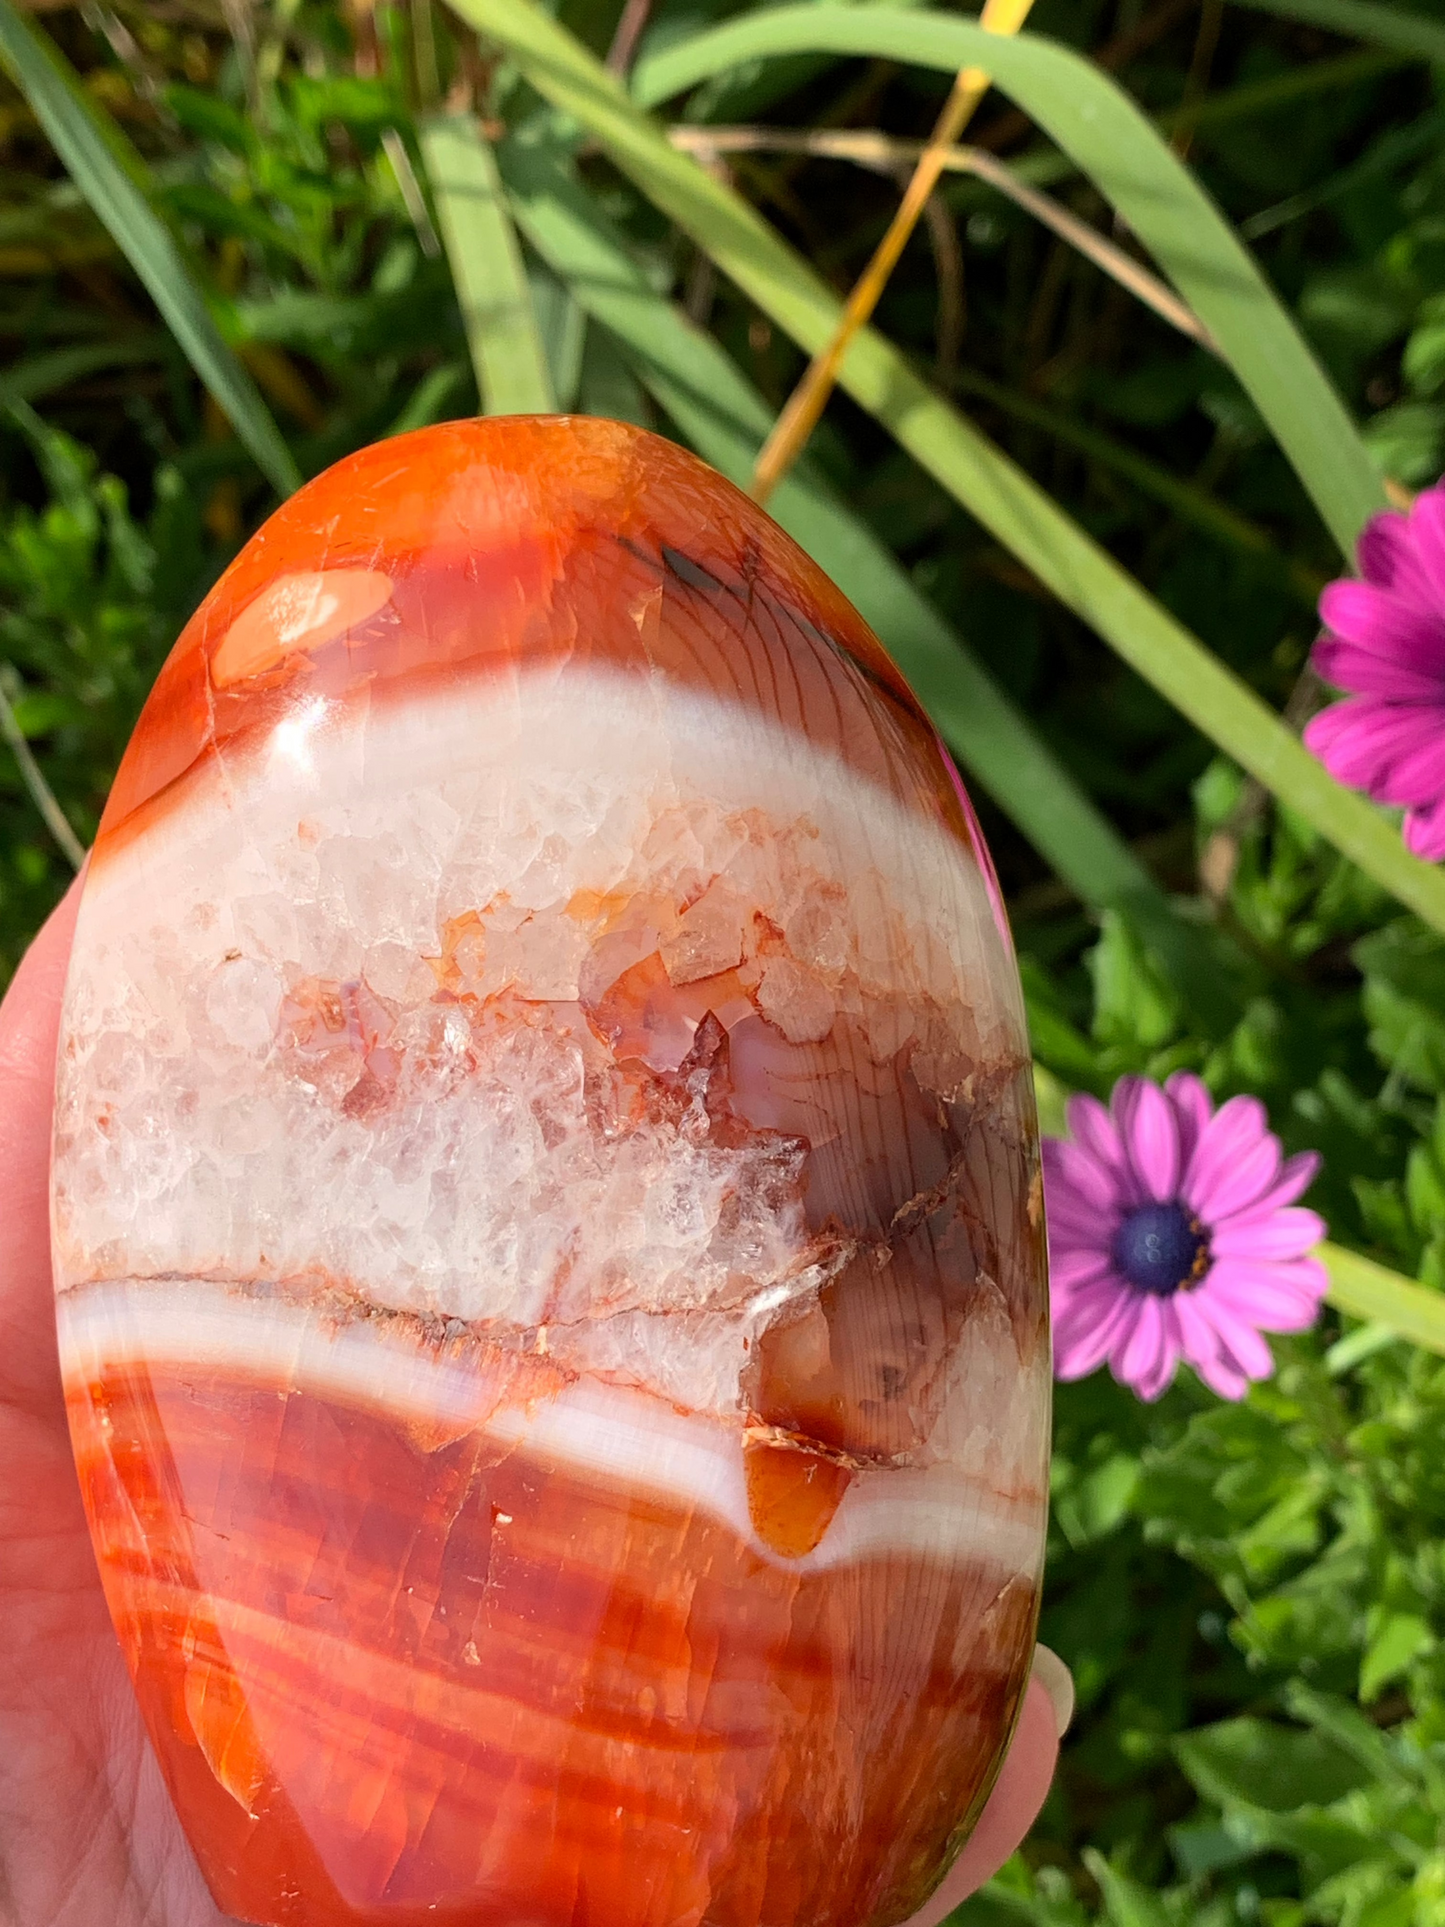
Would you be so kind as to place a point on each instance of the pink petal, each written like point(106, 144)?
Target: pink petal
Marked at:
point(1090, 1308)
point(1296, 1175)
point(1368, 673)
point(1092, 1128)
point(1215, 1365)
point(1077, 1228)
point(1207, 1348)
point(1390, 559)
point(1425, 831)
point(1287, 1233)
point(1419, 775)
point(1283, 1297)
point(1271, 1309)
point(1153, 1383)
point(1193, 1108)
point(1137, 1354)
point(1072, 1217)
point(1246, 1180)
point(1381, 624)
point(1221, 1375)
point(1240, 1343)
point(1069, 1270)
point(1361, 740)
point(1085, 1335)
point(1427, 528)
point(1091, 1124)
point(1151, 1136)
point(1229, 1135)
point(1306, 1275)
point(1073, 1176)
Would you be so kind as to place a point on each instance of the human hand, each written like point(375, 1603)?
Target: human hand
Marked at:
point(88, 1837)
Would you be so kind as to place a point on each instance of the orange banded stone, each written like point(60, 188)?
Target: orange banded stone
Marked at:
point(548, 1261)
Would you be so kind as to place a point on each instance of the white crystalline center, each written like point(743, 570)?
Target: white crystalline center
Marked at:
point(326, 1028)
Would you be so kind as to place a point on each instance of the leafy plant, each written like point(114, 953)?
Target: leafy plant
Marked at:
point(89, 603)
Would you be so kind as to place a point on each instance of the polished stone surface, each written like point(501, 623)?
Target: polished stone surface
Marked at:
point(547, 1221)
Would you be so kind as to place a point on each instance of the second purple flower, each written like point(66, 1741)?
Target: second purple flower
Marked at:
point(1174, 1233)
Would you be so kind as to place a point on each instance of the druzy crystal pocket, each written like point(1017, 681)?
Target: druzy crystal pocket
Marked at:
point(547, 1224)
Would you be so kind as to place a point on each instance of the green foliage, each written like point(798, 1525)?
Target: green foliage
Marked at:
point(1250, 1596)
point(111, 178)
point(90, 600)
point(1105, 135)
point(1089, 118)
point(1253, 1596)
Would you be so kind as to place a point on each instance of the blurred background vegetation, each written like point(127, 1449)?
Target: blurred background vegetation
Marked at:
point(1252, 1598)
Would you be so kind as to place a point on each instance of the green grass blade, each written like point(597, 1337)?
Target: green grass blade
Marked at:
point(1044, 166)
point(1106, 135)
point(726, 420)
point(40, 375)
point(1190, 503)
point(1366, 1290)
point(486, 263)
point(962, 460)
point(112, 176)
point(749, 95)
point(1409, 33)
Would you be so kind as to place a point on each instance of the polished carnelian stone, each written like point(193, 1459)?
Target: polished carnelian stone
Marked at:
point(547, 1224)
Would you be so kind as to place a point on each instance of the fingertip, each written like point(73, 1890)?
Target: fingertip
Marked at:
point(1058, 1682)
point(29, 1030)
point(30, 1011)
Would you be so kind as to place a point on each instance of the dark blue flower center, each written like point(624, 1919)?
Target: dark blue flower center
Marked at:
point(1160, 1247)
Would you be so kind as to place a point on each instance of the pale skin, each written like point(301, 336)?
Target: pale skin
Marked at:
point(88, 1837)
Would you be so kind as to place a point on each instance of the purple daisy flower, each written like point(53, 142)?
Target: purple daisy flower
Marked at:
point(1386, 644)
point(1173, 1233)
